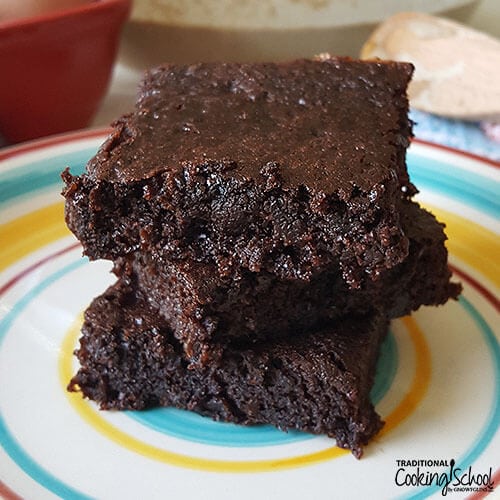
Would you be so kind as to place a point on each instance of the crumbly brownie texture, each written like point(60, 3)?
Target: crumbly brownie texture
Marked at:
point(270, 167)
point(206, 311)
point(319, 384)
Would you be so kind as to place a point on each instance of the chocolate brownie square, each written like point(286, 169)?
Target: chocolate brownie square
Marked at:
point(207, 311)
point(276, 167)
point(320, 384)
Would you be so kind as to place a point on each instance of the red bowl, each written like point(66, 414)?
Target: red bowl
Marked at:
point(55, 68)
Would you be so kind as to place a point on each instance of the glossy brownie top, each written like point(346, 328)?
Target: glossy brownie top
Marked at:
point(329, 124)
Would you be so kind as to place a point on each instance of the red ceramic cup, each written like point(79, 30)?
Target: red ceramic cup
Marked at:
point(55, 68)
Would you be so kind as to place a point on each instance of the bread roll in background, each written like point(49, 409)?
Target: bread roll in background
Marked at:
point(457, 69)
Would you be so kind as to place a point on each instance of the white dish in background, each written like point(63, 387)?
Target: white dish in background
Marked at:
point(227, 30)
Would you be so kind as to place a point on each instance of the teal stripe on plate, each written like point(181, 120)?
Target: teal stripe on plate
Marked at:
point(493, 421)
point(192, 427)
point(12, 447)
point(41, 174)
point(22, 458)
point(469, 188)
point(473, 189)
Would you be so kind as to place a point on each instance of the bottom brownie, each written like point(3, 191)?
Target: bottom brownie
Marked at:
point(318, 383)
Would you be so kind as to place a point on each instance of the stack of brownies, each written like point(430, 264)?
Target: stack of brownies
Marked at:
point(260, 222)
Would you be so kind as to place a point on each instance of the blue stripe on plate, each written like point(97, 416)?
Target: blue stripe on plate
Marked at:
point(41, 174)
point(433, 175)
point(7, 440)
point(192, 427)
point(493, 420)
point(470, 188)
point(19, 455)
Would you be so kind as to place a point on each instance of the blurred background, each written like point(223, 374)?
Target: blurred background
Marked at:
point(186, 30)
point(100, 48)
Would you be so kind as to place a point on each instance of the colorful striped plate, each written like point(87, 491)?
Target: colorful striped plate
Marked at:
point(437, 386)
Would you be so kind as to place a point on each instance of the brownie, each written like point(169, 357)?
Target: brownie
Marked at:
point(276, 167)
point(319, 384)
point(206, 311)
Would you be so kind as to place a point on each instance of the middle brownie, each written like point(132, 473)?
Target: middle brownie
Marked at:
point(208, 312)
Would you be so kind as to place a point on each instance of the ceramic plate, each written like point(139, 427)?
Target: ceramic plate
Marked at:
point(437, 384)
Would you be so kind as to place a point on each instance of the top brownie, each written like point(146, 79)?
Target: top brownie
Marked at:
point(282, 167)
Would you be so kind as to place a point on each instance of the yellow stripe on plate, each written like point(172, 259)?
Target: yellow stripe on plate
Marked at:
point(478, 247)
point(473, 244)
point(421, 379)
point(32, 231)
